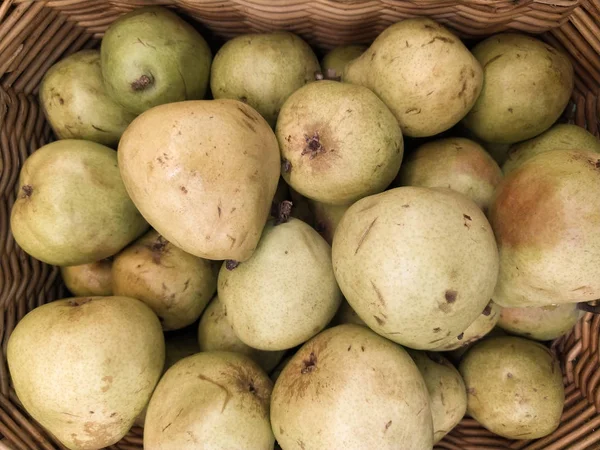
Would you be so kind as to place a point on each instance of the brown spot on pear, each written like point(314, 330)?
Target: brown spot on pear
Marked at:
point(386, 387)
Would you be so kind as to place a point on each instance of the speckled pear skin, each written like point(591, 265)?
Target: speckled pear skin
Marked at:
point(514, 387)
point(527, 85)
point(417, 264)
point(150, 56)
point(72, 207)
point(542, 323)
point(339, 142)
point(203, 173)
point(484, 323)
point(215, 334)
point(217, 400)
point(422, 72)
point(176, 285)
point(563, 136)
point(85, 367)
point(545, 217)
point(446, 390)
point(286, 293)
point(456, 163)
point(350, 388)
point(263, 70)
point(76, 104)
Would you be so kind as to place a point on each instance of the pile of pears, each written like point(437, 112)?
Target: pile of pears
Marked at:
point(266, 248)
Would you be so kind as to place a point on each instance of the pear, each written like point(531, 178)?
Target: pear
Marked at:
point(204, 174)
point(446, 390)
point(72, 207)
point(542, 323)
point(93, 279)
point(350, 388)
point(327, 218)
point(286, 293)
point(178, 345)
point(216, 400)
point(456, 163)
point(345, 314)
point(559, 137)
point(215, 334)
point(335, 61)
point(176, 285)
point(545, 219)
point(527, 85)
point(456, 355)
point(423, 73)
point(514, 387)
point(150, 56)
point(85, 367)
point(417, 264)
point(339, 142)
point(485, 323)
point(75, 103)
point(263, 70)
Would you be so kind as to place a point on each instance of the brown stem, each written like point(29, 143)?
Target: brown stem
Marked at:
point(284, 212)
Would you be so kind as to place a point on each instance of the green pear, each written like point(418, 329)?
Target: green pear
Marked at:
point(204, 174)
point(93, 279)
point(348, 388)
point(514, 387)
point(527, 85)
point(417, 264)
point(446, 390)
point(422, 72)
point(72, 206)
point(339, 142)
point(75, 103)
point(85, 367)
point(216, 334)
point(150, 56)
point(335, 61)
point(542, 323)
point(176, 285)
point(327, 218)
point(286, 293)
point(559, 137)
point(216, 400)
point(545, 219)
point(456, 163)
point(263, 70)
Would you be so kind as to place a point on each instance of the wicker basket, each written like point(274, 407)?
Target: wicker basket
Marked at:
point(35, 34)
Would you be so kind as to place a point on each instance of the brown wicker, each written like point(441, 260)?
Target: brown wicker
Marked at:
point(35, 34)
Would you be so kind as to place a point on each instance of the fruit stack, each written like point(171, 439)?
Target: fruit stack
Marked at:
point(264, 248)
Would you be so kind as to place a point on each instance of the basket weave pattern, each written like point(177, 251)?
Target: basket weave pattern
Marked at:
point(35, 34)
